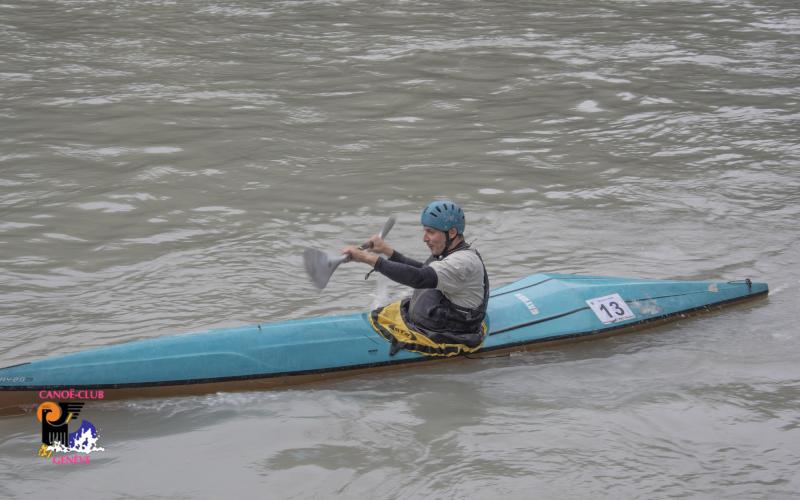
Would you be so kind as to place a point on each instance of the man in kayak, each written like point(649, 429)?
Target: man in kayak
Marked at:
point(451, 288)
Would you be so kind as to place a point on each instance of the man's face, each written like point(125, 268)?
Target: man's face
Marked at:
point(435, 239)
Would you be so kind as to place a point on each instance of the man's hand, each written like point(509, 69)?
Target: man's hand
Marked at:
point(358, 255)
point(380, 246)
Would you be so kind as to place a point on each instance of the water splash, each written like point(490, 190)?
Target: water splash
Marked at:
point(382, 296)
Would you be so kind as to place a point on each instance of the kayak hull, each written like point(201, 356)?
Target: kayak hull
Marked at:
point(539, 309)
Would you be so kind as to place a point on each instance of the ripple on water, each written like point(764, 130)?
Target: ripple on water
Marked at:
point(106, 206)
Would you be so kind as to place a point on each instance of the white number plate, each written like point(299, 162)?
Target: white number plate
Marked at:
point(611, 308)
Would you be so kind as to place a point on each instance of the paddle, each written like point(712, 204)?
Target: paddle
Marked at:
point(321, 265)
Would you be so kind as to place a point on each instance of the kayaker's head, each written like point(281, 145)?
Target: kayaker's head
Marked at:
point(443, 226)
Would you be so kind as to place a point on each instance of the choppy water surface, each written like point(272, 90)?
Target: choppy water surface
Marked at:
point(162, 165)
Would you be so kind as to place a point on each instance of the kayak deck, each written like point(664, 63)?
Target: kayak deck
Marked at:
point(541, 308)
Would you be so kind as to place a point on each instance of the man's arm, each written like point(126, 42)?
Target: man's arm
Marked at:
point(407, 274)
point(402, 259)
point(398, 268)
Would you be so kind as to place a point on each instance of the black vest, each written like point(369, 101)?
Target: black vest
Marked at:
point(429, 311)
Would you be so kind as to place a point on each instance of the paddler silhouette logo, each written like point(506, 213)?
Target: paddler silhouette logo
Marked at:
point(55, 418)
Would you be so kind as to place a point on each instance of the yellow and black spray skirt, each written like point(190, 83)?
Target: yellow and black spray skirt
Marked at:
point(388, 321)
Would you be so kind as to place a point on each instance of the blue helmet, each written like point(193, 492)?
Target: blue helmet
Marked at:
point(443, 215)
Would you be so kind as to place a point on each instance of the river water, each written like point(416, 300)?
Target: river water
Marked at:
point(163, 164)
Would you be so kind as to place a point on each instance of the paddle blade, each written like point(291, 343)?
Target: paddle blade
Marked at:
point(320, 266)
point(387, 226)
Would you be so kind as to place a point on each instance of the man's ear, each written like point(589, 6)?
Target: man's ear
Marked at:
point(453, 232)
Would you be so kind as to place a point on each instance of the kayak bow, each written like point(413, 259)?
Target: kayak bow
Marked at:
point(537, 309)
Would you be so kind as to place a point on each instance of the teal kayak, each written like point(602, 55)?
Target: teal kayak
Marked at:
point(537, 309)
